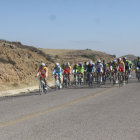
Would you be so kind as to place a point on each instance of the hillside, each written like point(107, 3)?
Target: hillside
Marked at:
point(19, 63)
point(131, 57)
point(74, 56)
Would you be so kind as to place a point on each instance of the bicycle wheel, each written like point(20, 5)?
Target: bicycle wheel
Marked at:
point(41, 89)
point(90, 80)
point(120, 79)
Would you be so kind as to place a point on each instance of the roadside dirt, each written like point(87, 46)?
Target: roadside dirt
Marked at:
point(19, 64)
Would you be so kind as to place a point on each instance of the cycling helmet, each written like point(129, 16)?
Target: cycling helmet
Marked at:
point(99, 61)
point(119, 59)
point(115, 61)
point(87, 63)
point(124, 58)
point(80, 64)
point(43, 64)
point(57, 64)
point(90, 63)
point(68, 64)
point(104, 61)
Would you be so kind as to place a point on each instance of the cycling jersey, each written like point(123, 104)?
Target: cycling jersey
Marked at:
point(85, 67)
point(121, 66)
point(104, 67)
point(74, 68)
point(80, 69)
point(127, 65)
point(99, 67)
point(90, 68)
point(43, 71)
point(138, 63)
point(67, 69)
point(57, 70)
point(114, 65)
point(109, 67)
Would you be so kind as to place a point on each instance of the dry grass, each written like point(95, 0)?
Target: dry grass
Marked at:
point(19, 63)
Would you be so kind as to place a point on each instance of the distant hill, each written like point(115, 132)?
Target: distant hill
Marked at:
point(74, 56)
point(130, 57)
point(19, 63)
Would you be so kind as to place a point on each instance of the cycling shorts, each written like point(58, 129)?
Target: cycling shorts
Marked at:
point(99, 70)
point(43, 76)
point(121, 69)
point(66, 72)
point(58, 74)
point(105, 70)
point(127, 68)
point(115, 70)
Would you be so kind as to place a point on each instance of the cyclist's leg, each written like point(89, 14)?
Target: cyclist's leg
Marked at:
point(101, 75)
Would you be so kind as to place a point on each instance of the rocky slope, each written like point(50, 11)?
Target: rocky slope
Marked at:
point(19, 63)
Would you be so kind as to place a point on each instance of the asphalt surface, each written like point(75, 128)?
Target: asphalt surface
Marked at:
point(105, 113)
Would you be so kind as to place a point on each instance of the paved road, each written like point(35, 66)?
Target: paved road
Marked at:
point(106, 113)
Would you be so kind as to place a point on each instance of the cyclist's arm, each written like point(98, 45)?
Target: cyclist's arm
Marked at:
point(53, 71)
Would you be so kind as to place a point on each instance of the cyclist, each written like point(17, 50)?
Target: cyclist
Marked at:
point(90, 68)
point(80, 70)
point(137, 65)
point(67, 70)
point(127, 65)
point(75, 69)
point(131, 66)
point(85, 71)
point(85, 65)
point(104, 68)
point(74, 72)
point(114, 69)
point(57, 71)
point(43, 73)
point(99, 69)
point(63, 66)
point(121, 68)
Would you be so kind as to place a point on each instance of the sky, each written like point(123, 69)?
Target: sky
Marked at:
point(110, 26)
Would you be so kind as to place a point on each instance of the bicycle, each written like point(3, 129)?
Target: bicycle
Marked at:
point(98, 79)
point(75, 78)
point(79, 78)
point(42, 87)
point(127, 76)
point(90, 79)
point(109, 75)
point(57, 82)
point(65, 80)
point(114, 76)
point(121, 78)
point(85, 78)
point(104, 78)
point(138, 75)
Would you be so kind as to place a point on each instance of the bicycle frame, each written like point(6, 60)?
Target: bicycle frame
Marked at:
point(121, 78)
point(57, 82)
point(42, 86)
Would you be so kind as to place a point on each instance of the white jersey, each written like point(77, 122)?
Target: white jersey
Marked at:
point(99, 66)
